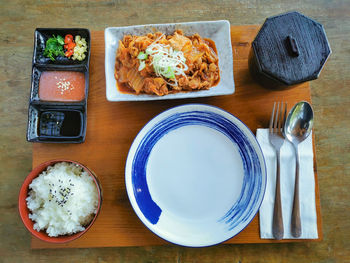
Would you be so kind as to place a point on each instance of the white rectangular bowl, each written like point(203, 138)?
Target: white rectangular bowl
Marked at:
point(218, 31)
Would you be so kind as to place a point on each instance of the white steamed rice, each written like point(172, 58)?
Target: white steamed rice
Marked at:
point(63, 199)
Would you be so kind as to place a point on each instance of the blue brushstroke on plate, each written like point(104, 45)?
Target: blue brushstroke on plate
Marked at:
point(241, 211)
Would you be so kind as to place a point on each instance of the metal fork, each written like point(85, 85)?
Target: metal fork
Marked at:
point(276, 139)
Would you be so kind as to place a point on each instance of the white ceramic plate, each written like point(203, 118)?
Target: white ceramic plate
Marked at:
point(195, 175)
point(218, 31)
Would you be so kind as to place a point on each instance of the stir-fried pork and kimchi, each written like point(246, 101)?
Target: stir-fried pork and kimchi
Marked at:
point(161, 64)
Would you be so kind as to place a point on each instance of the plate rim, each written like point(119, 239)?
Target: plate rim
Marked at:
point(131, 192)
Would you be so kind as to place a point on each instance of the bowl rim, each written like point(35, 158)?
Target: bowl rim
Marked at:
point(24, 211)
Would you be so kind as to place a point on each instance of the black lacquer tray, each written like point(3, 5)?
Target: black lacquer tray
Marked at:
point(55, 121)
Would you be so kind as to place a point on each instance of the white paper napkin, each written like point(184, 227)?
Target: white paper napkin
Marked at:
point(306, 190)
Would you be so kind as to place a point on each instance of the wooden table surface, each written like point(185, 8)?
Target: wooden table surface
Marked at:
point(330, 97)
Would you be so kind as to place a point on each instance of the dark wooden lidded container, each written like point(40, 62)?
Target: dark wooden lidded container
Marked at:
point(290, 48)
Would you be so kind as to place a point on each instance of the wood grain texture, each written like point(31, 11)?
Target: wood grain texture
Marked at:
point(113, 126)
point(330, 97)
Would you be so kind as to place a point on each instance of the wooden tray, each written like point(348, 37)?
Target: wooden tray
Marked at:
point(111, 128)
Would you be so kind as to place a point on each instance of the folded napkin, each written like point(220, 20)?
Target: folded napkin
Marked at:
point(306, 184)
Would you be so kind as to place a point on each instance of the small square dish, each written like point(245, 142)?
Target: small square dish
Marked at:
point(217, 31)
point(41, 36)
point(56, 124)
point(59, 85)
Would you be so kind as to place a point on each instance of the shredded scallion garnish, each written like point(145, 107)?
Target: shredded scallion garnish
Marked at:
point(166, 61)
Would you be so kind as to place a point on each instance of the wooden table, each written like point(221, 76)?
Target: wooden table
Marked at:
point(330, 96)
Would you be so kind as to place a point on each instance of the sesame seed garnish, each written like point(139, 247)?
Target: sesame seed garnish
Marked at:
point(64, 86)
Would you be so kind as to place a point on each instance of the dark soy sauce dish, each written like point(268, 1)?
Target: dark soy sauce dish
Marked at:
point(54, 123)
point(60, 123)
point(59, 89)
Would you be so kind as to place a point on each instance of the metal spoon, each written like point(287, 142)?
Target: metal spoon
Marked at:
point(296, 129)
